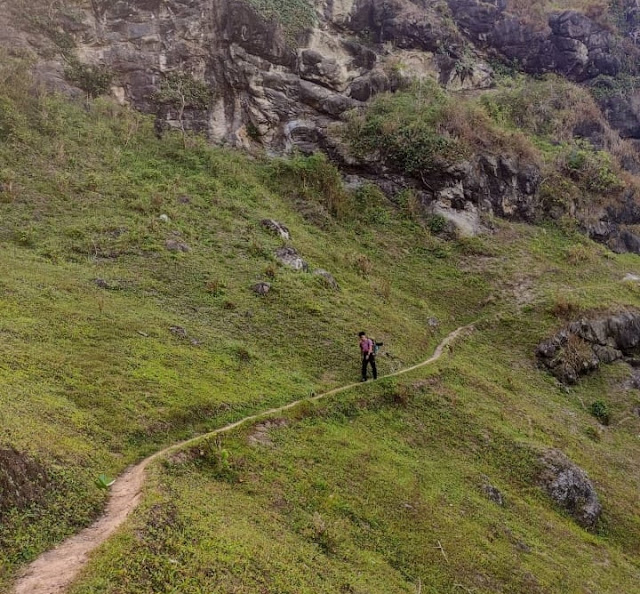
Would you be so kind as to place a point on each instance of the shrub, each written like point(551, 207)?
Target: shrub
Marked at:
point(363, 265)
point(215, 287)
point(594, 171)
point(182, 89)
point(93, 80)
point(312, 179)
point(564, 309)
point(421, 129)
point(270, 270)
point(437, 224)
point(580, 254)
point(600, 410)
point(578, 354)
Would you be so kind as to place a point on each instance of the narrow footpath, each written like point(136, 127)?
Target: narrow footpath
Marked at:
point(54, 571)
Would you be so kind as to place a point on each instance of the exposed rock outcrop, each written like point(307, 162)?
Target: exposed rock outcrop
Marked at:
point(569, 486)
point(571, 43)
point(586, 344)
point(327, 278)
point(221, 68)
point(276, 228)
point(290, 257)
point(244, 79)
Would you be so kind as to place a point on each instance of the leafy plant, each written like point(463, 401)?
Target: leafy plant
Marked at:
point(436, 224)
point(600, 410)
point(95, 80)
point(182, 90)
point(104, 482)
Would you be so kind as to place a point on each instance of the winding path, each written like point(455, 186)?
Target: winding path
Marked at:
point(54, 571)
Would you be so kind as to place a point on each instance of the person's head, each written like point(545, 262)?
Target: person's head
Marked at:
point(362, 335)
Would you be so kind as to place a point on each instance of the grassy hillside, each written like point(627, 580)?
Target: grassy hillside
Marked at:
point(98, 373)
point(113, 344)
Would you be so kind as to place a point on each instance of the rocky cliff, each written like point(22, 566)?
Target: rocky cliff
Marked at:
point(280, 76)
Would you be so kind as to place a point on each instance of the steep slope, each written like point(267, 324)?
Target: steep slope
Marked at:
point(128, 314)
point(129, 322)
point(150, 293)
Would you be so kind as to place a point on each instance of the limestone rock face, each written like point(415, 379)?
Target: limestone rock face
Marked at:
point(221, 68)
point(570, 44)
point(247, 81)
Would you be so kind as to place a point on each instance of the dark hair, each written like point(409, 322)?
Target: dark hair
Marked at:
point(362, 333)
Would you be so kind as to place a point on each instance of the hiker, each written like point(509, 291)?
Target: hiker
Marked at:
point(367, 349)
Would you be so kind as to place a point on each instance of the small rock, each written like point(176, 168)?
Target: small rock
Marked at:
point(492, 493)
point(178, 331)
point(141, 333)
point(164, 218)
point(631, 278)
point(277, 228)
point(173, 245)
point(328, 278)
point(523, 547)
point(290, 257)
point(184, 199)
point(569, 486)
point(636, 411)
point(102, 284)
point(261, 288)
point(433, 322)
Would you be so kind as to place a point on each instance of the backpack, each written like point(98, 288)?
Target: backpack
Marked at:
point(376, 346)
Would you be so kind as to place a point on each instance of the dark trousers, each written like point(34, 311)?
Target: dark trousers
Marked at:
point(370, 360)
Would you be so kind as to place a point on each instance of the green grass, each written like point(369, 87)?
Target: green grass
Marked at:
point(359, 493)
point(97, 373)
point(356, 492)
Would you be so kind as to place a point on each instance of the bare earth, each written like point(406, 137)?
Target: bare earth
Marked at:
point(54, 571)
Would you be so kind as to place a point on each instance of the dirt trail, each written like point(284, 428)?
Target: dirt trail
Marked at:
point(54, 571)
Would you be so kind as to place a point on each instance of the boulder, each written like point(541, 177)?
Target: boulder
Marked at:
point(328, 278)
point(569, 486)
point(276, 228)
point(290, 257)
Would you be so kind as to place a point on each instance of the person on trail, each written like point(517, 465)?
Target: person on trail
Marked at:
point(367, 349)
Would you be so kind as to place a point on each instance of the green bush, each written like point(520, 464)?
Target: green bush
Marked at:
point(600, 410)
point(93, 80)
point(181, 88)
point(437, 224)
point(312, 179)
point(405, 128)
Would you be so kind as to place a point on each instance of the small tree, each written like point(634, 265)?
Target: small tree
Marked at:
point(181, 91)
